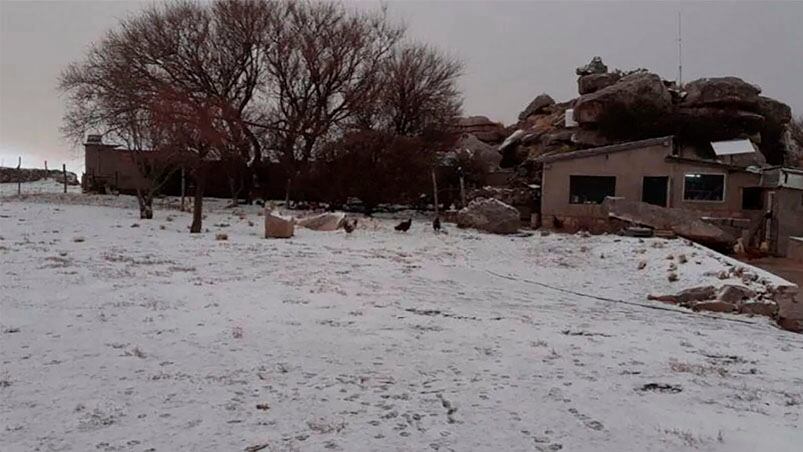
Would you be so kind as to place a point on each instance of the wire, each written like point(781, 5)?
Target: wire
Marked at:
point(613, 300)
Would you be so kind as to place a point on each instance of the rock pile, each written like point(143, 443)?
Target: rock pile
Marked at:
point(490, 215)
point(728, 298)
point(615, 107)
point(8, 175)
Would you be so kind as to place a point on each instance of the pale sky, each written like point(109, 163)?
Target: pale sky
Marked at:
point(512, 51)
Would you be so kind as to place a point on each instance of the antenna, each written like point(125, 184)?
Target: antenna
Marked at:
point(680, 52)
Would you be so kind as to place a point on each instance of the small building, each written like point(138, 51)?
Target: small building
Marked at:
point(654, 171)
point(722, 184)
point(784, 191)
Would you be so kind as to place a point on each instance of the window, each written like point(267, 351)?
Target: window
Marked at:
point(591, 189)
point(704, 187)
point(752, 198)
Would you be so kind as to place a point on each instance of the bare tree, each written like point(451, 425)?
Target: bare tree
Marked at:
point(419, 92)
point(192, 70)
point(323, 63)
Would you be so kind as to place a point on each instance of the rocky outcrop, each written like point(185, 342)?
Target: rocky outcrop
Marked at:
point(477, 151)
point(641, 97)
point(596, 66)
point(489, 215)
point(538, 105)
point(483, 128)
point(731, 92)
point(588, 84)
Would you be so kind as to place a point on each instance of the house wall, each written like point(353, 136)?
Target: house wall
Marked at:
point(787, 218)
point(105, 165)
point(629, 168)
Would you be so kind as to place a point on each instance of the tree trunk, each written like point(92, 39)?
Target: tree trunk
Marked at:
point(145, 200)
point(198, 201)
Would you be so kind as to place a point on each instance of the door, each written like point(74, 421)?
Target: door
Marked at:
point(654, 190)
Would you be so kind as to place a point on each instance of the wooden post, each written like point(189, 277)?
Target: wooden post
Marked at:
point(63, 173)
point(19, 176)
point(46, 174)
point(183, 187)
point(435, 191)
point(462, 187)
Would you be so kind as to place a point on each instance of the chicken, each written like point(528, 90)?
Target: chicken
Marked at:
point(557, 222)
point(350, 225)
point(404, 225)
point(436, 224)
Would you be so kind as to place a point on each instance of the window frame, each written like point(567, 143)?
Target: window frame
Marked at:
point(709, 201)
point(571, 202)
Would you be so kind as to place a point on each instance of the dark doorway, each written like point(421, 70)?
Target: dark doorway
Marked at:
point(654, 190)
point(752, 198)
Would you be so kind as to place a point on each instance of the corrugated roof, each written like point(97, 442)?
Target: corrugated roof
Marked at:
point(666, 141)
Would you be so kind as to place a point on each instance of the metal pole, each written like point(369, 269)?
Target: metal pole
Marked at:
point(183, 186)
point(435, 191)
point(46, 174)
point(19, 176)
point(64, 173)
point(680, 53)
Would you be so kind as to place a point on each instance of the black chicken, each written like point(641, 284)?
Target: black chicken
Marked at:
point(436, 224)
point(404, 225)
point(350, 225)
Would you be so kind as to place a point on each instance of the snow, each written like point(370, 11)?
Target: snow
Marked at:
point(123, 337)
point(38, 187)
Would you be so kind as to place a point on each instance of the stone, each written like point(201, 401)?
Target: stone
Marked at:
point(685, 223)
point(536, 106)
point(478, 151)
point(714, 306)
point(588, 84)
point(686, 296)
point(590, 138)
point(732, 92)
point(490, 215)
point(768, 309)
point(595, 66)
point(221, 236)
point(734, 294)
point(483, 128)
point(278, 226)
point(634, 99)
point(329, 221)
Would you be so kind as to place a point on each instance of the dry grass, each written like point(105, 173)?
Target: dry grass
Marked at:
point(701, 370)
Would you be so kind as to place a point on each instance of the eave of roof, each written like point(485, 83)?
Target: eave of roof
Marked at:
point(666, 141)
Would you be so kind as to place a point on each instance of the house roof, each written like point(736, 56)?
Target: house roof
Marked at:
point(715, 163)
point(631, 145)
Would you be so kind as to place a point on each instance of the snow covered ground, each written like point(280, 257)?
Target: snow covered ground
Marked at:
point(123, 334)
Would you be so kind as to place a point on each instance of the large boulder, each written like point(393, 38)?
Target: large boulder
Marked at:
point(278, 226)
point(774, 112)
point(483, 128)
point(721, 91)
point(588, 138)
point(633, 100)
point(683, 222)
point(713, 123)
point(478, 151)
point(329, 221)
point(538, 105)
point(588, 84)
point(596, 66)
point(489, 215)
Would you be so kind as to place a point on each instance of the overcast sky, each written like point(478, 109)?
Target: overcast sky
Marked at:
point(512, 52)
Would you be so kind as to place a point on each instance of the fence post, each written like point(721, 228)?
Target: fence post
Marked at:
point(19, 176)
point(462, 187)
point(435, 191)
point(182, 188)
point(64, 173)
point(46, 174)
